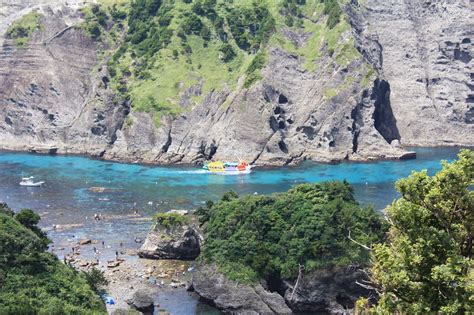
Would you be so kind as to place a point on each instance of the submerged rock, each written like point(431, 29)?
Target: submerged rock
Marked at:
point(181, 242)
point(232, 297)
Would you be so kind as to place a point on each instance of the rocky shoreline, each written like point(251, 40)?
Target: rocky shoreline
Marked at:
point(399, 155)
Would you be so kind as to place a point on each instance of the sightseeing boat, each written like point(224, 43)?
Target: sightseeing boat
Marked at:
point(228, 168)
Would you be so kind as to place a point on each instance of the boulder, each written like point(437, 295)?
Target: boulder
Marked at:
point(332, 291)
point(85, 241)
point(178, 242)
point(232, 297)
point(142, 302)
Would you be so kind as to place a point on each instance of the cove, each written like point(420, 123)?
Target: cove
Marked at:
point(67, 198)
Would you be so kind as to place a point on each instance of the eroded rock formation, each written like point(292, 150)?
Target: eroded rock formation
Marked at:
point(54, 94)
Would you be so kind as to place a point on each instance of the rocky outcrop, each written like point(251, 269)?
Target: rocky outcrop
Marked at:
point(52, 94)
point(326, 291)
point(424, 50)
point(55, 98)
point(181, 242)
point(142, 302)
point(234, 298)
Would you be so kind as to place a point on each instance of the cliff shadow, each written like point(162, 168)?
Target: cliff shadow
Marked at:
point(384, 120)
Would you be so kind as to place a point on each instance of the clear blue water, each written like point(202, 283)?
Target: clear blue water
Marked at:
point(67, 199)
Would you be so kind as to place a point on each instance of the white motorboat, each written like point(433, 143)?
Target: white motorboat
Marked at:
point(28, 181)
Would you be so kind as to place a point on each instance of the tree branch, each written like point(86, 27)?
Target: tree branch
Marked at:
point(360, 244)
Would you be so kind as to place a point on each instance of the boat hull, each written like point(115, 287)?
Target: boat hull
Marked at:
point(38, 184)
point(232, 171)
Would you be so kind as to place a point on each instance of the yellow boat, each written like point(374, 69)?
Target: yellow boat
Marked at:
point(228, 168)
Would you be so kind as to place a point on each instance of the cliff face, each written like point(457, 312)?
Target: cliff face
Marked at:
point(55, 96)
point(424, 50)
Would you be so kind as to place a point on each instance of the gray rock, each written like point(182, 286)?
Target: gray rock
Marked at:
point(234, 298)
point(424, 50)
point(142, 302)
point(421, 94)
point(331, 291)
point(178, 242)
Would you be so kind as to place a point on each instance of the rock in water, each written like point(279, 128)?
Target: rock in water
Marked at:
point(178, 242)
point(142, 302)
point(331, 291)
point(233, 297)
point(85, 241)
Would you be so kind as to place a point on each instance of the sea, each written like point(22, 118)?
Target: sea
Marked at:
point(77, 187)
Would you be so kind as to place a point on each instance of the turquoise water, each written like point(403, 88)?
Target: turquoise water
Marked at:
point(68, 179)
point(66, 197)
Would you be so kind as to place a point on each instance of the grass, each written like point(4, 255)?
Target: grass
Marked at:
point(369, 76)
point(22, 29)
point(330, 93)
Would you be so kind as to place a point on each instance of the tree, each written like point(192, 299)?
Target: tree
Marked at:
point(95, 278)
point(426, 266)
point(30, 220)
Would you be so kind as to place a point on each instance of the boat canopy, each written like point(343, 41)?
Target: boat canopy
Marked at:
point(216, 166)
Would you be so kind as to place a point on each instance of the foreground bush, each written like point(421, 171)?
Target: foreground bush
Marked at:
point(426, 266)
point(33, 281)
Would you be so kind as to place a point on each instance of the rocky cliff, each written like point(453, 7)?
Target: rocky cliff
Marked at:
point(410, 84)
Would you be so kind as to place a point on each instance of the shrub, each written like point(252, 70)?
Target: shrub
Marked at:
point(169, 220)
point(251, 26)
point(253, 70)
point(22, 29)
point(228, 52)
point(191, 24)
point(334, 12)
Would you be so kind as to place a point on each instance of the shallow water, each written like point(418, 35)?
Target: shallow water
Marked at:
point(66, 197)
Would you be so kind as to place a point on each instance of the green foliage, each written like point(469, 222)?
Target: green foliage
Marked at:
point(426, 266)
point(228, 52)
point(192, 24)
point(170, 46)
point(5, 209)
point(95, 278)
point(334, 12)
point(29, 219)
point(22, 29)
point(255, 237)
point(251, 26)
point(253, 70)
point(33, 281)
point(169, 220)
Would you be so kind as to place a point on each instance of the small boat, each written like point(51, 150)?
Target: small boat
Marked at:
point(228, 168)
point(28, 181)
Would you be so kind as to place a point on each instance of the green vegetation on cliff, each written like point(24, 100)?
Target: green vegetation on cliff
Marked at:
point(169, 54)
point(426, 266)
point(33, 281)
point(22, 29)
point(308, 225)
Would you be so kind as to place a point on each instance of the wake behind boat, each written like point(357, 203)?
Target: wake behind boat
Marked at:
point(228, 168)
point(28, 181)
